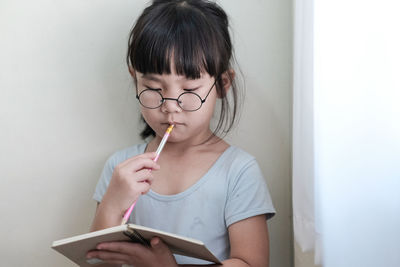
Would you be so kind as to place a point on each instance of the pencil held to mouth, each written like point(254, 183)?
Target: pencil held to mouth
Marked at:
point(158, 152)
point(163, 141)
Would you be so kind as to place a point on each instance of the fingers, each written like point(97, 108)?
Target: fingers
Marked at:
point(144, 175)
point(132, 253)
point(128, 248)
point(139, 168)
point(134, 171)
point(135, 166)
point(158, 245)
point(155, 242)
point(141, 161)
point(108, 256)
point(143, 188)
point(162, 252)
point(118, 252)
point(129, 180)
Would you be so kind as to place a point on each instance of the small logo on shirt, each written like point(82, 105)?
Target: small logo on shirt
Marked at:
point(197, 224)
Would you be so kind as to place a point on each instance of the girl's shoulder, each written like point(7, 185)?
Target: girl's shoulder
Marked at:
point(232, 153)
point(237, 153)
point(237, 158)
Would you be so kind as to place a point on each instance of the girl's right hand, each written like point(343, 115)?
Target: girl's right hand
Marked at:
point(130, 179)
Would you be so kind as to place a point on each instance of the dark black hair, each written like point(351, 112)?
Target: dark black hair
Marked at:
point(194, 34)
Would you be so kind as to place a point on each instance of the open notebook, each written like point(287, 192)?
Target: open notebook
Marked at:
point(75, 248)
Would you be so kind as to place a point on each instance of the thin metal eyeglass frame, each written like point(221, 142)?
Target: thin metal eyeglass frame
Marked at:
point(176, 99)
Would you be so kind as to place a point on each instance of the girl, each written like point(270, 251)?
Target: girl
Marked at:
point(179, 57)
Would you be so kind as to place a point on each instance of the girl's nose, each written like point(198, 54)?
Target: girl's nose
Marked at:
point(170, 105)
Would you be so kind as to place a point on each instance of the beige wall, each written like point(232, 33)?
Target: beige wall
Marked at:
point(67, 103)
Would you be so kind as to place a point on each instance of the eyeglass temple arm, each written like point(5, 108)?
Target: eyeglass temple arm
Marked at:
point(209, 91)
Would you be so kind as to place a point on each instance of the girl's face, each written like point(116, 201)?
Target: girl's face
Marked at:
point(192, 126)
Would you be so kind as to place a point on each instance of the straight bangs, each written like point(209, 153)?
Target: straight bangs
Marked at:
point(178, 37)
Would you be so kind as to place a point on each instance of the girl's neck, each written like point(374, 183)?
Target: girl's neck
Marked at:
point(185, 147)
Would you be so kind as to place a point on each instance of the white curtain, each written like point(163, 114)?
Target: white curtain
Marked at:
point(346, 132)
point(304, 202)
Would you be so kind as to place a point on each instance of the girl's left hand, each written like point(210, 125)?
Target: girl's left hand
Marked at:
point(135, 254)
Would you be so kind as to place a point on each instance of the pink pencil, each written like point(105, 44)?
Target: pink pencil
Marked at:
point(159, 149)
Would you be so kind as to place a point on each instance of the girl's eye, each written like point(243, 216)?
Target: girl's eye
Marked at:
point(190, 89)
point(152, 89)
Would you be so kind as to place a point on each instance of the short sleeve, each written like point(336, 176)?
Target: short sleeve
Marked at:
point(248, 195)
point(104, 180)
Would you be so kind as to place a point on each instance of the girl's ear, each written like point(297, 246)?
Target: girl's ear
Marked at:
point(132, 72)
point(227, 77)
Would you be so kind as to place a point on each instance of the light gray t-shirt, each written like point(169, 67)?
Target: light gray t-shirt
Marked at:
point(233, 189)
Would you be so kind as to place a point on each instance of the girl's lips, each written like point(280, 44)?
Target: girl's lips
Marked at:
point(174, 123)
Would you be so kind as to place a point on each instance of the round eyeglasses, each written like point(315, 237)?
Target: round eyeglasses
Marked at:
point(187, 101)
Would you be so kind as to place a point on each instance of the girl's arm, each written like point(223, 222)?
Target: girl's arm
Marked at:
point(249, 242)
point(103, 218)
point(129, 180)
